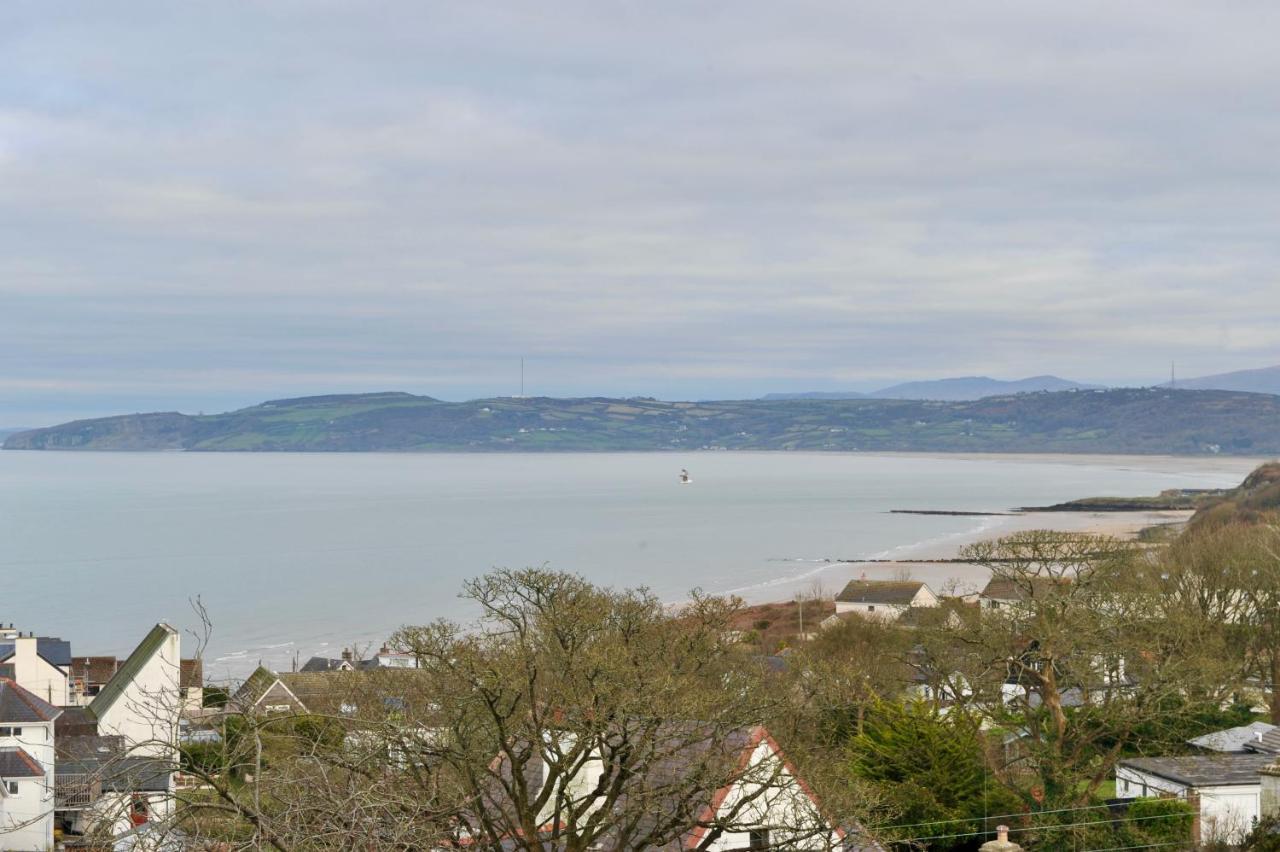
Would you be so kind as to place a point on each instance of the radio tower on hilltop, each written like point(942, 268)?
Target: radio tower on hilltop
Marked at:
point(1173, 376)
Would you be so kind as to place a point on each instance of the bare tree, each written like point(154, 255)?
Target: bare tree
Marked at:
point(1079, 662)
point(570, 718)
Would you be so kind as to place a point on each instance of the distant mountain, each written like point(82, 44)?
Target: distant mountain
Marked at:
point(816, 395)
point(976, 387)
point(959, 389)
point(1263, 380)
point(1125, 420)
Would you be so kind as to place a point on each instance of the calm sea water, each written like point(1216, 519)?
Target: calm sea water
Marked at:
point(302, 554)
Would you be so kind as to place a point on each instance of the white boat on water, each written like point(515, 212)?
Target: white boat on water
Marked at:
point(685, 478)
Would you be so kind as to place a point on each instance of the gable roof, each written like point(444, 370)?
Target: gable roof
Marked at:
point(20, 705)
point(897, 592)
point(54, 651)
point(16, 763)
point(1006, 589)
point(1204, 770)
point(1233, 739)
point(129, 669)
point(257, 686)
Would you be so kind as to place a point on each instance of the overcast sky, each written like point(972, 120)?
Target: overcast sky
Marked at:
point(203, 205)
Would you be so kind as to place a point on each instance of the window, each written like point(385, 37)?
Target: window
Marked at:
point(758, 839)
point(13, 788)
point(871, 608)
point(10, 732)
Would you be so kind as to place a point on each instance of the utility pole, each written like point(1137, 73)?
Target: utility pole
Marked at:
point(1173, 375)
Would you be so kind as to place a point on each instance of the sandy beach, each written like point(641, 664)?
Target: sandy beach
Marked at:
point(916, 561)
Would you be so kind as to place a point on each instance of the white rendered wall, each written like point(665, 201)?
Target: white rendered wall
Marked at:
point(26, 820)
point(784, 803)
point(147, 712)
point(37, 675)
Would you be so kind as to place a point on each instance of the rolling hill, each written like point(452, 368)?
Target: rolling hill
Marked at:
point(1110, 421)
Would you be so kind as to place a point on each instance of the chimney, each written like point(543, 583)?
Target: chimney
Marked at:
point(384, 650)
point(1001, 843)
point(346, 654)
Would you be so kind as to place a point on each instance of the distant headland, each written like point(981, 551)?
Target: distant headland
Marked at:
point(1143, 421)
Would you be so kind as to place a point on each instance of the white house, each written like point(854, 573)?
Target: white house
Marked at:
point(1228, 785)
point(762, 804)
point(143, 700)
point(884, 598)
point(142, 705)
point(780, 805)
point(40, 664)
point(26, 769)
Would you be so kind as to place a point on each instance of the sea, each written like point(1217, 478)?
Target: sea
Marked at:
point(297, 554)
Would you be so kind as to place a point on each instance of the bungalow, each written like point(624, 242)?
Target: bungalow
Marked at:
point(263, 692)
point(884, 598)
point(1227, 785)
point(26, 768)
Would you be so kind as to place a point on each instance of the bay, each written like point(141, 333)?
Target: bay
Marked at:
point(301, 554)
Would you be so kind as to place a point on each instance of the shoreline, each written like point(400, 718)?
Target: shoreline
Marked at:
point(936, 561)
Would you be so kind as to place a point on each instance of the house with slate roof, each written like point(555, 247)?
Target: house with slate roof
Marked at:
point(1228, 786)
point(887, 599)
point(264, 693)
point(27, 768)
point(40, 664)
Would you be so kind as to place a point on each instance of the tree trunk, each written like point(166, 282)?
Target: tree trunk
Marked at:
point(1275, 687)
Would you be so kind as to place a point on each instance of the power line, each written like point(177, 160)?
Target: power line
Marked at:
point(1048, 827)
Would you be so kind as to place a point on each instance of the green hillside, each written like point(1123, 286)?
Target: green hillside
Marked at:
point(1115, 421)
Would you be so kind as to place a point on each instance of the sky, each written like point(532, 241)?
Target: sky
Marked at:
point(208, 204)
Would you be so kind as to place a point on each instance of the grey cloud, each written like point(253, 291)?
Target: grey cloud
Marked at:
point(217, 201)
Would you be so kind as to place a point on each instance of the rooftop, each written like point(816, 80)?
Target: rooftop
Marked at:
point(20, 705)
point(1008, 589)
point(1233, 739)
point(901, 592)
point(16, 763)
point(1204, 770)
